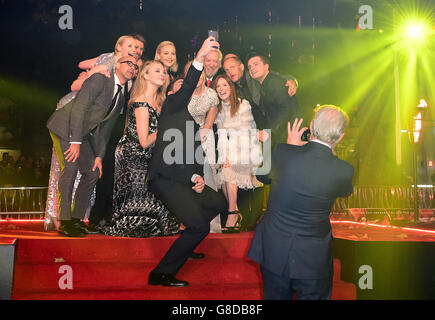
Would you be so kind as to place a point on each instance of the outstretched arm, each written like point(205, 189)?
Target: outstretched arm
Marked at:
point(88, 64)
point(77, 84)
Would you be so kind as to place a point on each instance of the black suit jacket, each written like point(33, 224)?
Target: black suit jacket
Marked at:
point(87, 116)
point(276, 107)
point(295, 230)
point(178, 143)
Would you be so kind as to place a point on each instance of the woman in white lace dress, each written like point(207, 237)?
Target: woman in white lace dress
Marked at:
point(239, 151)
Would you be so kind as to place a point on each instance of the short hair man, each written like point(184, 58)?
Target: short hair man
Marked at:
point(275, 103)
point(246, 87)
point(80, 132)
point(293, 241)
point(139, 44)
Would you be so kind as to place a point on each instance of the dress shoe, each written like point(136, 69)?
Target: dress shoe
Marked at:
point(197, 255)
point(87, 229)
point(68, 229)
point(167, 280)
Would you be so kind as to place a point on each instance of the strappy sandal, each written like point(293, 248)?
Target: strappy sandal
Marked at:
point(237, 225)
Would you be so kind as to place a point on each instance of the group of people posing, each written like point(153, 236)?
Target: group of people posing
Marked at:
point(152, 151)
point(229, 105)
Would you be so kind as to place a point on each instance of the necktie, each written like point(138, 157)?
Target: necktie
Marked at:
point(113, 104)
point(126, 97)
point(208, 83)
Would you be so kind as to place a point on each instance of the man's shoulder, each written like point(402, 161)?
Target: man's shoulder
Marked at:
point(274, 79)
point(285, 148)
point(98, 79)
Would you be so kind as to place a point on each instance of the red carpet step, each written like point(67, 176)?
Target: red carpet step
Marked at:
point(104, 267)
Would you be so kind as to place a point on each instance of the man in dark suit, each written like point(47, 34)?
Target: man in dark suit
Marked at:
point(251, 202)
point(175, 175)
point(80, 133)
point(293, 241)
point(275, 103)
point(102, 209)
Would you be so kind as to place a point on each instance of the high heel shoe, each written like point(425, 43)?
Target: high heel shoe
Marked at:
point(237, 225)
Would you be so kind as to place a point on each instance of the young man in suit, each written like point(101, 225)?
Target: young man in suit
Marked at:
point(293, 241)
point(175, 175)
point(80, 132)
point(275, 103)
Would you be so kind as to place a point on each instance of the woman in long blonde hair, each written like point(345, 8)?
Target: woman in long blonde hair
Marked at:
point(136, 211)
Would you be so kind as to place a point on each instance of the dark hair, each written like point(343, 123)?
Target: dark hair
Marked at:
point(138, 37)
point(255, 54)
point(234, 99)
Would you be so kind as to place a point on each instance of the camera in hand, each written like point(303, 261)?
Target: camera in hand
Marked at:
point(306, 135)
point(215, 35)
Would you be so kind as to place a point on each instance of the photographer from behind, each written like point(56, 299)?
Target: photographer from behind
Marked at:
point(293, 241)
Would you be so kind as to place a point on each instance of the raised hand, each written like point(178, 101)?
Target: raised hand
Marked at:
point(294, 133)
point(208, 45)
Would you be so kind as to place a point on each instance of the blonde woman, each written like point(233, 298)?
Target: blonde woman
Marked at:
point(167, 54)
point(136, 211)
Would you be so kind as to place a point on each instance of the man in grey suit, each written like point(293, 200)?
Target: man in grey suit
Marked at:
point(80, 132)
point(293, 241)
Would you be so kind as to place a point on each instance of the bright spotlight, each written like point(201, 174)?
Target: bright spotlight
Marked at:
point(415, 31)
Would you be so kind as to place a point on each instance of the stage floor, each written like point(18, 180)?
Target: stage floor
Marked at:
point(115, 268)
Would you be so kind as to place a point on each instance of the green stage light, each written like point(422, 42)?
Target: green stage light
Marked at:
point(415, 31)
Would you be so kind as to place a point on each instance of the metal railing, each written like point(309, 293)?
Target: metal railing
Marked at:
point(29, 202)
point(22, 202)
point(386, 198)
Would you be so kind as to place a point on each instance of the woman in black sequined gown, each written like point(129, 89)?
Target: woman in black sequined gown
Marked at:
point(136, 211)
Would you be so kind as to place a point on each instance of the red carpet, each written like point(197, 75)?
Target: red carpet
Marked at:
point(105, 267)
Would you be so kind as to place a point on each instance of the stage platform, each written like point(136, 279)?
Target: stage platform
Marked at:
point(46, 266)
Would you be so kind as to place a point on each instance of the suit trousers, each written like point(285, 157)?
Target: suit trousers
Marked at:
point(102, 208)
point(276, 287)
point(68, 172)
point(194, 210)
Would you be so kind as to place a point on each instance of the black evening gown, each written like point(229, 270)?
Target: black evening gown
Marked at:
point(136, 210)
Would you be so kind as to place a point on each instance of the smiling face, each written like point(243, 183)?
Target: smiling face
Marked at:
point(223, 89)
point(211, 64)
point(127, 47)
point(233, 69)
point(138, 46)
point(258, 69)
point(167, 55)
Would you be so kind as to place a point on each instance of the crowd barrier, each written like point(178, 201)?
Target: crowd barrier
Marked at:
point(22, 202)
point(29, 202)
